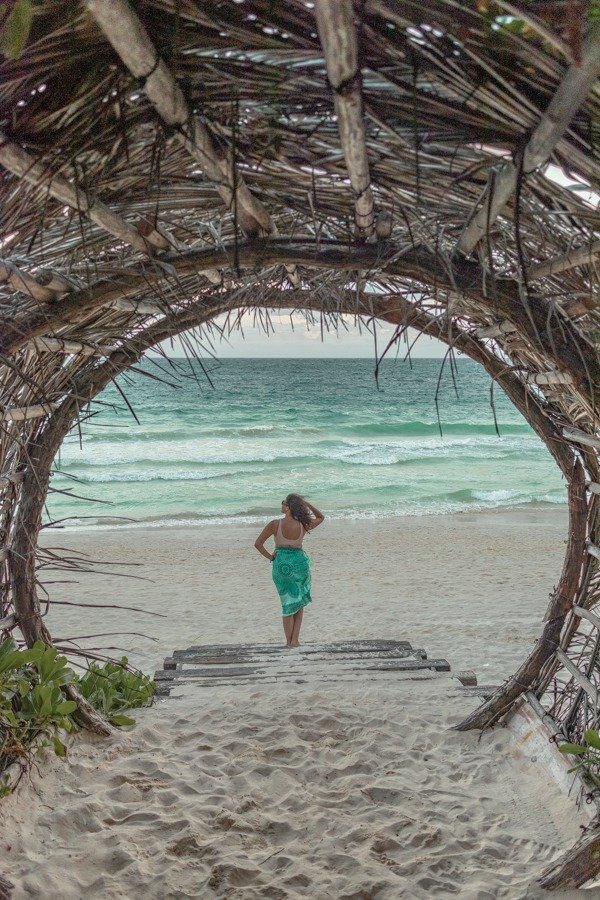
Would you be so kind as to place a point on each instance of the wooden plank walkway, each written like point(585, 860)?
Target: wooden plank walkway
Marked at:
point(227, 664)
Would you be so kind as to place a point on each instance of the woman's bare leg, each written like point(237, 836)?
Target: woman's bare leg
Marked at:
point(288, 627)
point(295, 639)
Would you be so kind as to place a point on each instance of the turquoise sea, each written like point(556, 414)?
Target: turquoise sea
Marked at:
point(231, 451)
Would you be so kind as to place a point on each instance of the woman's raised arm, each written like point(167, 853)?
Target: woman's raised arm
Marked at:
point(318, 515)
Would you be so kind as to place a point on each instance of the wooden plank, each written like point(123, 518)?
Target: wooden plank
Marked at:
point(495, 331)
point(533, 738)
point(119, 21)
point(580, 256)
point(263, 658)
point(542, 378)
point(297, 667)
point(37, 172)
point(572, 90)
point(440, 665)
point(165, 686)
point(581, 437)
point(467, 678)
point(22, 413)
point(281, 649)
point(545, 717)
point(588, 615)
point(227, 665)
point(357, 646)
point(278, 664)
point(57, 345)
point(337, 34)
point(590, 689)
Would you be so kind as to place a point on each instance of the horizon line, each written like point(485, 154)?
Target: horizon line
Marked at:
point(313, 358)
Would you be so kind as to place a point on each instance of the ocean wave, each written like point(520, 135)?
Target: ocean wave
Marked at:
point(387, 453)
point(110, 475)
point(400, 429)
point(511, 496)
point(347, 451)
point(419, 428)
point(315, 427)
point(171, 453)
point(259, 515)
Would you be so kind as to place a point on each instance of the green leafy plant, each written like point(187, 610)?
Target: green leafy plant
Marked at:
point(15, 27)
point(34, 709)
point(113, 687)
point(588, 755)
point(32, 704)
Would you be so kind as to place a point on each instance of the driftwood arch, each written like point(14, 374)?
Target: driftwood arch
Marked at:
point(166, 162)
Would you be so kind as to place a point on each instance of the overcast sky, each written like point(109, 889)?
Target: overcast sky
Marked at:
point(305, 340)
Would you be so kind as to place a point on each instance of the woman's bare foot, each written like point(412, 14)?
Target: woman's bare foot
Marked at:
point(297, 644)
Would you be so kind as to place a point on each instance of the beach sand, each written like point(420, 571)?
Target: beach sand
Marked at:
point(354, 789)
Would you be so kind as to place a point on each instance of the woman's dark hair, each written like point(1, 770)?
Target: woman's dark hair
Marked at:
point(299, 509)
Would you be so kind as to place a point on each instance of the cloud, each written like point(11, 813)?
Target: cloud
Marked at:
point(305, 339)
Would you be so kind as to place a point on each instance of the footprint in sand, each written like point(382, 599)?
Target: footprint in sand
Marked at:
point(232, 875)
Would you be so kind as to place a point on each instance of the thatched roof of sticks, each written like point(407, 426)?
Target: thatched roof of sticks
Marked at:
point(432, 164)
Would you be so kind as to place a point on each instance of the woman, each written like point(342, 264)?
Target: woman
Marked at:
point(291, 565)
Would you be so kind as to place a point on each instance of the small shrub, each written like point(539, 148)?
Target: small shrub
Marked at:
point(33, 708)
point(113, 687)
point(32, 705)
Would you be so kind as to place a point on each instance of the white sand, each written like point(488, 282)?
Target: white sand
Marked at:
point(348, 790)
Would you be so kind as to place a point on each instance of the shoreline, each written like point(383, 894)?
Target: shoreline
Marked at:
point(418, 576)
point(253, 520)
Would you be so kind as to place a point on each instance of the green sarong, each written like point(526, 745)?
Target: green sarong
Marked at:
point(291, 574)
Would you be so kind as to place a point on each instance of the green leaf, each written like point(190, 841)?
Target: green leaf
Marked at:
point(592, 738)
point(34, 653)
point(122, 720)
point(45, 694)
point(510, 24)
point(6, 647)
point(574, 749)
point(59, 747)
point(66, 707)
point(16, 29)
point(11, 661)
